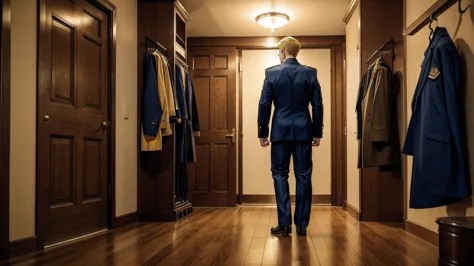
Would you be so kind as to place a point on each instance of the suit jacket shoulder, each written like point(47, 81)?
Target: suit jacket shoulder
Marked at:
point(268, 68)
point(271, 72)
point(271, 68)
point(310, 68)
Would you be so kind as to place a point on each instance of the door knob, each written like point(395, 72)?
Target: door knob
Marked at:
point(232, 136)
point(105, 124)
point(46, 118)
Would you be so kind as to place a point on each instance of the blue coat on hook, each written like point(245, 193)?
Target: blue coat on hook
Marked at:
point(151, 107)
point(435, 137)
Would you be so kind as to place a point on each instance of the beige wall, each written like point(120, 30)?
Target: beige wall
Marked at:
point(415, 47)
point(257, 178)
point(126, 131)
point(353, 78)
point(23, 119)
point(23, 114)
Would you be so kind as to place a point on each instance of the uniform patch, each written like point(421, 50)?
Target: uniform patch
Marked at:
point(434, 73)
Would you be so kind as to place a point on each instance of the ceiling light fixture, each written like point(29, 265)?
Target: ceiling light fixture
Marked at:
point(272, 20)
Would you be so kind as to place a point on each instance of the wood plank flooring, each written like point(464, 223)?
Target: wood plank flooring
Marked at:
point(240, 236)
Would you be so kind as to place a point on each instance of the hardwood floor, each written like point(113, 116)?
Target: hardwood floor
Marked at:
point(240, 236)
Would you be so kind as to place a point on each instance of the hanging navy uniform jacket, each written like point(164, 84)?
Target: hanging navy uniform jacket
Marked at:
point(151, 107)
point(435, 138)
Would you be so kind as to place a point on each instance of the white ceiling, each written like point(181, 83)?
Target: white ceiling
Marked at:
point(237, 17)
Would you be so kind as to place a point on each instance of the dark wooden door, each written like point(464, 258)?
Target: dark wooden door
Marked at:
point(72, 120)
point(213, 176)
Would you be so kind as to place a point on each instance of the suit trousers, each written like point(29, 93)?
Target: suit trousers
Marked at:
point(281, 153)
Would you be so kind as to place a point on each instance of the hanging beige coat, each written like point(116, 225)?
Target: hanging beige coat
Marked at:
point(375, 146)
point(164, 90)
point(171, 99)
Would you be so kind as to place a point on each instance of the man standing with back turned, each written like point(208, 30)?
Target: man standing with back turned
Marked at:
point(291, 87)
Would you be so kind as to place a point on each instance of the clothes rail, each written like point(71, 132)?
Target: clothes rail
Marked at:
point(382, 49)
point(150, 44)
point(438, 8)
point(181, 63)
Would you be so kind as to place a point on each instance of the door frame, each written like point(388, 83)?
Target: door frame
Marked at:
point(5, 130)
point(111, 10)
point(338, 116)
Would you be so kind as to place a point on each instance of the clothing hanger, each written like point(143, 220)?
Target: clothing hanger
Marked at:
point(431, 29)
point(460, 8)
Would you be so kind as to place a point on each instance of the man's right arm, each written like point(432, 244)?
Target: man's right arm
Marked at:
point(318, 110)
point(265, 108)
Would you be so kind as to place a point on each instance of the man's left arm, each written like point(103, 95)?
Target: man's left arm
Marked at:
point(265, 108)
point(317, 110)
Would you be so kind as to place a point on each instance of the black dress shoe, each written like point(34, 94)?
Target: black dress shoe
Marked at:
point(284, 230)
point(301, 230)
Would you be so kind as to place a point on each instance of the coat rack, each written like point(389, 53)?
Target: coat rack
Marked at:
point(157, 171)
point(432, 13)
point(152, 45)
point(383, 49)
point(182, 63)
point(386, 48)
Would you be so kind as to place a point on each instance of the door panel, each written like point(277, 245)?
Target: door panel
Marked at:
point(213, 176)
point(72, 120)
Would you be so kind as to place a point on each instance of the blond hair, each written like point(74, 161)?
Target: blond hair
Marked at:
point(291, 45)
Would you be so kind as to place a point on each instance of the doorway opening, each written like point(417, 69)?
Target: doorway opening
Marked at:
point(257, 184)
point(208, 52)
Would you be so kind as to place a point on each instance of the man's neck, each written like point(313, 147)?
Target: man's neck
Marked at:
point(289, 57)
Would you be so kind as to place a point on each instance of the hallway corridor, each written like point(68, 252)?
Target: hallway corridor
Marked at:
point(240, 236)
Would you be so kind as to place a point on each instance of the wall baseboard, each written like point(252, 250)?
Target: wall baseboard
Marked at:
point(29, 245)
point(353, 211)
point(23, 246)
point(126, 219)
point(271, 199)
point(422, 232)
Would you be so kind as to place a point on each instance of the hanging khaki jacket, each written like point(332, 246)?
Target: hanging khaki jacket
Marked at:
point(163, 90)
point(169, 88)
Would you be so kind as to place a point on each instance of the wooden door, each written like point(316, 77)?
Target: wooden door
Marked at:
point(213, 176)
point(72, 120)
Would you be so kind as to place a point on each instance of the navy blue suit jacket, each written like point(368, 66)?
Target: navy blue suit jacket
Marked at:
point(291, 87)
point(151, 106)
point(435, 135)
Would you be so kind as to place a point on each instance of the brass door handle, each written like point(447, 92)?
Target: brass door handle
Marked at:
point(231, 135)
point(105, 124)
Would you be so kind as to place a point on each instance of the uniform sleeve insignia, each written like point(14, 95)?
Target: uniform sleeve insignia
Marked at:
point(434, 73)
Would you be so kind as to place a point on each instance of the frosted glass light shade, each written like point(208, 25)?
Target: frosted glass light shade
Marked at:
point(272, 20)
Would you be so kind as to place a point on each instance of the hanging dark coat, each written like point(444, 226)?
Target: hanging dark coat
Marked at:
point(182, 127)
point(151, 107)
point(435, 138)
point(178, 113)
point(364, 83)
point(374, 108)
point(194, 126)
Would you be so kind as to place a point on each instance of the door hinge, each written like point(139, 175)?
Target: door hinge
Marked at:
point(241, 68)
point(345, 131)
